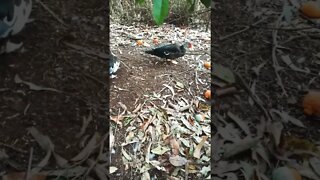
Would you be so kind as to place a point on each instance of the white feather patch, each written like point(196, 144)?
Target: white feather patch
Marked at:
point(115, 67)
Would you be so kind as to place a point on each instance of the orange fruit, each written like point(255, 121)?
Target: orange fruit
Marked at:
point(207, 65)
point(311, 9)
point(155, 41)
point(207, 94)
point(139, 42)
point(311, 103)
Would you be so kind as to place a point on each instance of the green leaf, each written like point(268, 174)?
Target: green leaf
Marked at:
point(139, 2)
point(160, 10)
point(206, 3)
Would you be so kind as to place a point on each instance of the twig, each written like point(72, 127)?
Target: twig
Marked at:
point(196, 79)
point(242, 30)
point(13, 148)
point(52, 13)
point(186, 171)
point(27, 177)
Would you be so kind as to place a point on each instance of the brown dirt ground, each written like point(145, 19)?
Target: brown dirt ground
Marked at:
point(242, 53)
point(49, 63)
point(143, 74)
point(253, 47)
point(140, 75)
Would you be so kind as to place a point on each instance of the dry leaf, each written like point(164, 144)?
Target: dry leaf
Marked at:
point(240, 146)
point(32, 86)
point(91, 146)
point(178, 160)
point(112, 169)
point(276, 130)
point(117, 119)
point(243, 125)
point(198, 148)
point(174, 146)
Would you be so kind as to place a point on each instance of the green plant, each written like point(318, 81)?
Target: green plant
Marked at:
point(160, 8)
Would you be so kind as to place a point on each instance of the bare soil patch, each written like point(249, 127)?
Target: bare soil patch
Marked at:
point(46, 61)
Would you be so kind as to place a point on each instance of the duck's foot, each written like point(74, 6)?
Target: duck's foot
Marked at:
point(113, 76)
point(174, 62)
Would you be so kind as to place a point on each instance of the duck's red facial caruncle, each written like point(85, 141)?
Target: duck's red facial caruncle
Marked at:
point(189, 45)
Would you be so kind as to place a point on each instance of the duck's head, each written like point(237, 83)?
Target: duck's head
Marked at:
point(187, 45)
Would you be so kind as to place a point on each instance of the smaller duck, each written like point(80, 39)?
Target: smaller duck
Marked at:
point(114, 65)
point(169, 51)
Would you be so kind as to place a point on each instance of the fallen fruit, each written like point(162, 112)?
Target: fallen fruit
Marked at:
point(199, 117)
point(207, 65)
point(207, 94)
point(139, 42)
point(155, 41)
point(311, 103)
point(311, 9)
point(282, 173)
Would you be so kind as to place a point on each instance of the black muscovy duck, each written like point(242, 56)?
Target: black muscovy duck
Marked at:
point(114, 65)
point(169, 51)
point(14, 14)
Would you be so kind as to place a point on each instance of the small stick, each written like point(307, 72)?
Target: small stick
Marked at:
point(187, 171)
point(51, 12)
point(13, 148)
